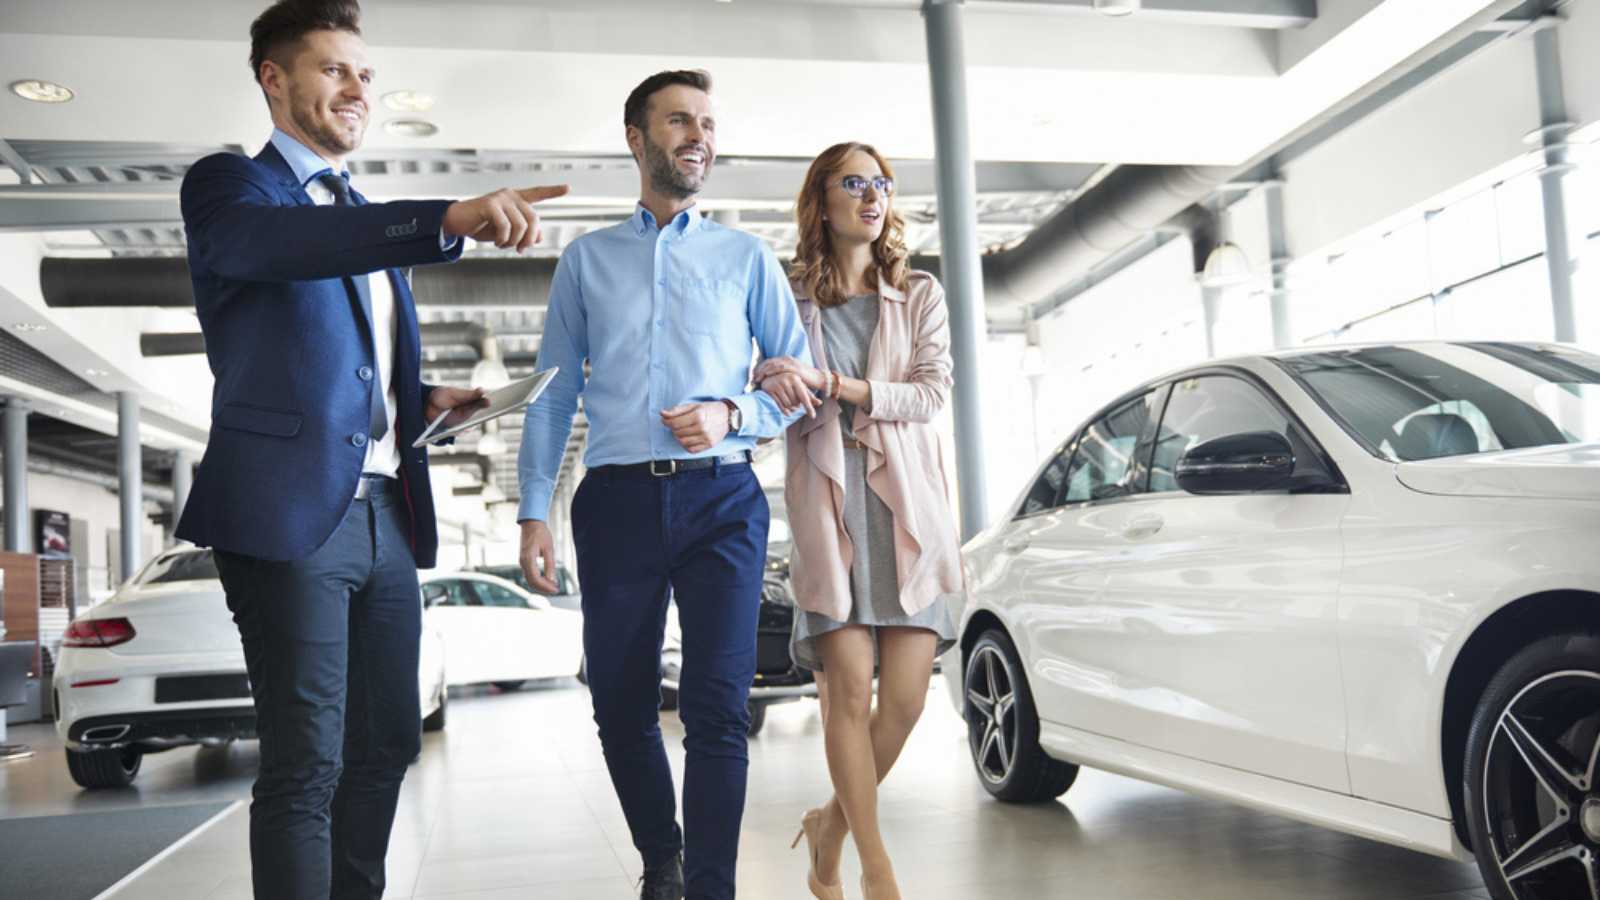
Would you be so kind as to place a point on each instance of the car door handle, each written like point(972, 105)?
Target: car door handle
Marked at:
point(1017, 544)
point(1143, 527)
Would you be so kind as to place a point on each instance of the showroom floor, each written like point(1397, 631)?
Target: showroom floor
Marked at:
point(512, 801)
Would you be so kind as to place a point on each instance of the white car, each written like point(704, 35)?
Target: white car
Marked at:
point(1359, 587)
point(159, 665)
point(498, 633)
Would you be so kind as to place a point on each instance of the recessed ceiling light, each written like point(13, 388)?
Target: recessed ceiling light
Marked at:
point(41, 91)
point(1116, 7)
point(410, 128)
point(408, 101)
point(95, 373)
point(29, 326)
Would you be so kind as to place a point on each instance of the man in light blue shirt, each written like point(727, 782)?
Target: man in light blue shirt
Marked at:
point(664, 307)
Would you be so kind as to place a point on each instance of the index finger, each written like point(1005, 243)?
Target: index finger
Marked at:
point(543, 192)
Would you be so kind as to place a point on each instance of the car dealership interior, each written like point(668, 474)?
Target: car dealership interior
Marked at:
point(1268, 427)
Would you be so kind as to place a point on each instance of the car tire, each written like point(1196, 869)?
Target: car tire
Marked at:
point(1003, 727)
point(1530, 794)
point(510, 686)
point(95, 769)
point(435, 722)
point(758, 718)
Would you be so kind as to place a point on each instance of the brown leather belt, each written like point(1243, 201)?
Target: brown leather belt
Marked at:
point(853, 444)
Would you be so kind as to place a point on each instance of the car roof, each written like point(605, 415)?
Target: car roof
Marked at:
point(466, 575)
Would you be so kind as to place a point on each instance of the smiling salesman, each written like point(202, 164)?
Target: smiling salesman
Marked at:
point(318, 508)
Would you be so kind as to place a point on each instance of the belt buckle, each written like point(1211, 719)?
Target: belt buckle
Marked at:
point(671, 464)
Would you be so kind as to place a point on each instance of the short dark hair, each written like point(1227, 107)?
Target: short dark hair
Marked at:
point(633, 111)
point(287, 21)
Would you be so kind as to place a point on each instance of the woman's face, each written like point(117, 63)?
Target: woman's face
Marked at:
point(856, 219)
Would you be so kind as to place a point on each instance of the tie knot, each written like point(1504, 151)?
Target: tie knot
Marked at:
point(338, 186)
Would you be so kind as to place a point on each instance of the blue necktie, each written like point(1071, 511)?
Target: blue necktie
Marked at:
point(378, 424)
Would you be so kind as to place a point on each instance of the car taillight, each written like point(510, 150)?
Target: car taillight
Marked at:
point(98, 633)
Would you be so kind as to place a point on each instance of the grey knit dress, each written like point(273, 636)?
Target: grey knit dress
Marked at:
point(847, 332)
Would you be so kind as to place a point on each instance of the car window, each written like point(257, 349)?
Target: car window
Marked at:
point(198, 565)
point(1205, 408)
point(1107, 461)
point(1431, 401)
point(1046, 492)
point(565, 581)
point(495, 595)
point(456, 592)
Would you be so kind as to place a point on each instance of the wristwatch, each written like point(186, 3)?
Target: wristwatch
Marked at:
point(735, 415)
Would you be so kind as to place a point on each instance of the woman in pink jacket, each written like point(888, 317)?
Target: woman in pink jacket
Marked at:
point(875, 551)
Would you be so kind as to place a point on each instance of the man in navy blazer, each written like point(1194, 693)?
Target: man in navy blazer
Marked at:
point(318, 508)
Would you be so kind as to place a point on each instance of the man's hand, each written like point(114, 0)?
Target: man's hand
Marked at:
point(537, 544)
point(790, 390)
point(697, 426)
point(505, 217)
point(459, 402)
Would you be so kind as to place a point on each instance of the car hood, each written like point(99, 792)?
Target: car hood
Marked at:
point(180, 617)
point(1559, 472)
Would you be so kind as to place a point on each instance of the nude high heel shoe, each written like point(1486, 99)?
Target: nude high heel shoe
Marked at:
point(810, 824)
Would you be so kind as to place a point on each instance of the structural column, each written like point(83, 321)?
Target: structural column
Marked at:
point(958, 240)
point(1278, 246)
point(130, 481)
point(17, 537)
point(1560, 249)
point(182, 482)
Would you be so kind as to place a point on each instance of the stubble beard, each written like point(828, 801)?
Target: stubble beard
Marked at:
point(664, 175)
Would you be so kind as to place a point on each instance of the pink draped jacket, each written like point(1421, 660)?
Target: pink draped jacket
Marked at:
point(908, 369)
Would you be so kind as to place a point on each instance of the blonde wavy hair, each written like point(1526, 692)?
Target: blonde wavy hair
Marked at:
point(813, 267)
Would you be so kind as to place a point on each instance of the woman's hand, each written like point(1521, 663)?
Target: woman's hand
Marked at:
point(790, 390)
point(811, 377)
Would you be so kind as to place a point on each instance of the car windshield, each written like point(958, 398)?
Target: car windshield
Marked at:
point(1437, 400)
point(195, 565)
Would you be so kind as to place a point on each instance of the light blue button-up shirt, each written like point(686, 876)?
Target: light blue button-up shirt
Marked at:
point(664, 316)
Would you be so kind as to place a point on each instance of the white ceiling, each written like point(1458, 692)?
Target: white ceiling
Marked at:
point(792, 77)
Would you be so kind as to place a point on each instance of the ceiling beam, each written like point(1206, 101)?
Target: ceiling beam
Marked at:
point(737, 184)
point(1275, 14)
point(10, 156)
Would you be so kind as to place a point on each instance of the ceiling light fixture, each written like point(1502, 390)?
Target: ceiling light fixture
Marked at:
point(1226, 266)
point(29, 326)
point(1116, 7)
point(95, 373)
point(408, 101)
point(410, 128)
point(41, 91)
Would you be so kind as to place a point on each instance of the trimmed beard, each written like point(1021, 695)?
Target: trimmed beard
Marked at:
point(664, 174)
point(325, 136)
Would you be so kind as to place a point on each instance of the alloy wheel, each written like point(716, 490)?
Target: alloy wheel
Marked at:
point(991, 714)
point(1540, 796)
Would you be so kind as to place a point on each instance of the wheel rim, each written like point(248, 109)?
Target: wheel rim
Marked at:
point(1541, 804)
point(991, 714)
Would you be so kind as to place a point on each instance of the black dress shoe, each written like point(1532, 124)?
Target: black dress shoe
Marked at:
point(663, 882)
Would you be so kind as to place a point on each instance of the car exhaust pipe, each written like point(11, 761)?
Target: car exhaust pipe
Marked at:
point(104, 734)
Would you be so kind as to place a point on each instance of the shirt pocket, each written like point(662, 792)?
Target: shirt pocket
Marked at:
point(713, 308)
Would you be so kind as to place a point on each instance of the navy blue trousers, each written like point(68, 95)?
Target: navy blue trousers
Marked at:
point(331, 645)
point(703, 535)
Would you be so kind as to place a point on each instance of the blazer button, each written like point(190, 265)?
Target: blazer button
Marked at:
point(364, 373)
point(359, 439)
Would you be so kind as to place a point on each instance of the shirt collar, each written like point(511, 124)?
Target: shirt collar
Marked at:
point(302, 160)
point(644, 221)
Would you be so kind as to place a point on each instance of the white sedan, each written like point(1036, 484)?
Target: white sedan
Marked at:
point(159, 665)
point(495, 632)
point(1355, 586)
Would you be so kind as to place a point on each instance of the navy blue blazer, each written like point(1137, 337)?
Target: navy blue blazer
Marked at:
point(288, 343)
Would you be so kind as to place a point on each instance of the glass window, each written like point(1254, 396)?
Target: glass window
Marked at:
point(196, 565)
point(1453, 399)
point(456, 592)
point(1107, 462)
point(495, 595)
point(1046, 491)
point(1203, 409)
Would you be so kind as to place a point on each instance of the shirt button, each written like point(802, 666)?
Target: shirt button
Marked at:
point(359, 439)
point(662, 282)
point(364, 373)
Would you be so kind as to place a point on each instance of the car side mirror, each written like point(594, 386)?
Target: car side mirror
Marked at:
point(1253, 462)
